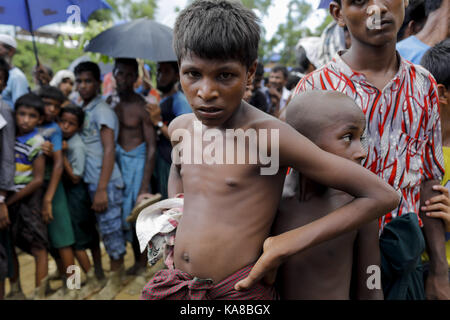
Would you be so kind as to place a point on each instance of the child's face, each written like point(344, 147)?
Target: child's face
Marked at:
point(51, 109)
point(68, 124)
point(87, 86)
point(344, 137)
point(66, 86)
point(27, 118)
point(214, 88)
point(355, 14)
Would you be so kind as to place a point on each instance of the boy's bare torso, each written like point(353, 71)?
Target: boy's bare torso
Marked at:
point(131, 114)
point(228, 211)
point(323, 271)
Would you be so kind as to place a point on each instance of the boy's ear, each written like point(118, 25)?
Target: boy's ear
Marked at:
point(335, 11)
point(251, 73)
point(444, 95)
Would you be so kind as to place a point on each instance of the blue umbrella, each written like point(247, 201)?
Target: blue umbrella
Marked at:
point(324, 4)
point(32, 14)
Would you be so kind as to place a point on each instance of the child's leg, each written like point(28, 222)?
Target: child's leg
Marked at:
point(83, 259)
point(97, 257)
point(67, 259)
point(41, 259)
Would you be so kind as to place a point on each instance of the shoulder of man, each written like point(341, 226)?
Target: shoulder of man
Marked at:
point(423, 79)
point(181, 122)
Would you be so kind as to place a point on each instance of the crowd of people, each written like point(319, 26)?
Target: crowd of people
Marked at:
point(81, 150)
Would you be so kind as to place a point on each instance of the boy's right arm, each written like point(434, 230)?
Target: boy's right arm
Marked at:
point(38, 180)
point(175, 183)
point(373, 198)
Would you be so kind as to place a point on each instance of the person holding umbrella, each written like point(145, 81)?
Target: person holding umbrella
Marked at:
point(17, 82)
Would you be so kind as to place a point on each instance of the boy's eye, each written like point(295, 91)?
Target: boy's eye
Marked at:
point(359, 2)
point(347, 137)
point(192, 74)
point(225, 76)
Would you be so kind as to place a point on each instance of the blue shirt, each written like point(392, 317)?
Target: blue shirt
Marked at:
point(76, 154)
point(180, 104)
point(412, 49)
point(52, 132)
point(97, 114)
point(16, 86)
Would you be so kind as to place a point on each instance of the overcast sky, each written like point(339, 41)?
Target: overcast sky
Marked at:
point(277, 14)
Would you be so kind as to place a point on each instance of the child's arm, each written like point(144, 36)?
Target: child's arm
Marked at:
point(57, 171)
point(38, 180)
point(69, 171)
point(367, 254)
point(150, 140)
point(439, 206)
point(373, 197)
point(100, 202)
point(175, 184)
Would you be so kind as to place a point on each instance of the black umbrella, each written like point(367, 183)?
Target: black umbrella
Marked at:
point(141, 38)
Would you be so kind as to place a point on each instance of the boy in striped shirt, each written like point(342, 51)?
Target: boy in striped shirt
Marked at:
point(29, 231)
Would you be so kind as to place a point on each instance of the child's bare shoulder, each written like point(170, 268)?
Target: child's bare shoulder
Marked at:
point(258, 119)
point(181, 122)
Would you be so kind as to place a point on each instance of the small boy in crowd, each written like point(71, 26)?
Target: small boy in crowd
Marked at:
point(82, 217)
point(436, 60)
point(218, 244)
point(101, 172)
point(336, 125)
point(28, 229)
point(55, 209)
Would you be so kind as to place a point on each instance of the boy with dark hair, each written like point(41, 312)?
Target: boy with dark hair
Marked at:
point(135, 150)
point(55, 209)
point(403, 137)
point(336, 125)
point(83, 219)
point(7, 137)
point(258, 98)
point(101, 172)
point(217, 244)
point(436, 60)
point(28, 230)
point(414, 19)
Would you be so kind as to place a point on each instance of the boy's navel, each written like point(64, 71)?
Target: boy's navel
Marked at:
point(231, 182)
point(186, 257)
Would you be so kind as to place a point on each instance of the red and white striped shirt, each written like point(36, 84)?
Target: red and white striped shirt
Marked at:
point(403, 130)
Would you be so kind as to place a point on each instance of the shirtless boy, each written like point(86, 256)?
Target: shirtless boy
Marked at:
point(135, 151)
point(336, 125)
point(229, 208)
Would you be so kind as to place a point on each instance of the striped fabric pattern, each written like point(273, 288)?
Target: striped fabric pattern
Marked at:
point(174, 284)
point(403, 130)
point(27, 148)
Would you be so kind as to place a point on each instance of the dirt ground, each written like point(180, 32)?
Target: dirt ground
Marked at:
point(131, 286)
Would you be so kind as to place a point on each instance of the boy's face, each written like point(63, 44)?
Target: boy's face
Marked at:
point(125, 77)
point(51, 109)
point(277, 80)
point(214, 88)
point(68, 124)
point(66, 86)
point(357, 15)
point(87, 86)
point(27, 118)
point(344, 137)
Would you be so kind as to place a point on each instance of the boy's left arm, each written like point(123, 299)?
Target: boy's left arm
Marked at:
point(57, 171)
point(367, 263)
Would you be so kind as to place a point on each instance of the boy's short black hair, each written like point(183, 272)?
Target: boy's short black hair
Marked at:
point(217, 29)
point(292, 81)
point(30, 100)
point(432, 5)
point(4, 66)
point(415, 11)
point(282, 69)
point(50, 92)
point(436, 60)
point(127, 61)
point(90, 66)
point(76, 111)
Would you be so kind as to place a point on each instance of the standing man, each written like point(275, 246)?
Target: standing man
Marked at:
point(135, 150)
point(278, 95)
point(17, 84)
point(172, 105)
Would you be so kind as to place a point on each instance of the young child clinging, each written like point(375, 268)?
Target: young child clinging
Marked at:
point(71, 122)
point(29, 232)
point(229, 208)
point(335, 124)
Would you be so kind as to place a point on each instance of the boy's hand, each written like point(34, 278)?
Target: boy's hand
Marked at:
point(47, 148)
point(65, 146)
point(439, 206)
point(4, 217)
point(47, 214)
point(266, 267)
point(100, 203)
point(154, 111)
